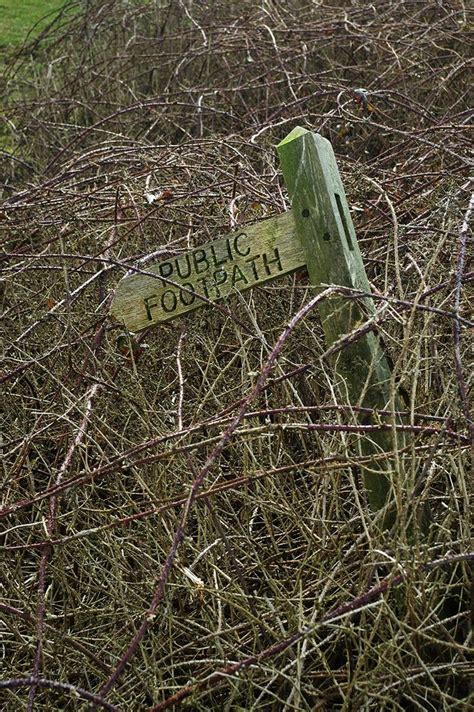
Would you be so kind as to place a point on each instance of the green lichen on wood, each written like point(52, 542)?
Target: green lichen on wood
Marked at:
point(325, 228)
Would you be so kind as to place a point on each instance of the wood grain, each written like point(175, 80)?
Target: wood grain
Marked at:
point(241, 260)
point(324, 225)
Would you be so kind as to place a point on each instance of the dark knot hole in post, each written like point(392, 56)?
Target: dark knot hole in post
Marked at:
point(326, 236)
point(305, 213)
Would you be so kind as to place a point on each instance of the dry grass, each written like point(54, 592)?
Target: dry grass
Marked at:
point(276, 588)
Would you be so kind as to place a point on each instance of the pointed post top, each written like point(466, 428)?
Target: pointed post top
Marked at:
point(295, 133)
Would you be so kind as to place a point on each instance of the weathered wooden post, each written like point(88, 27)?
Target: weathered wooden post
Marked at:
point(326, 232)
point(318, 233)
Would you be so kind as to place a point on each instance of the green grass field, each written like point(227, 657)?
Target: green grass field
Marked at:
point(20, 17)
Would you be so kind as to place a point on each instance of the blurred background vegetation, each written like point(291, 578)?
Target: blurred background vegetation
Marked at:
point(22, 19)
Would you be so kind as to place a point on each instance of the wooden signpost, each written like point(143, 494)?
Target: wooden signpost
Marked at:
point(239, 261)
point(325, 228)
point(317, 232)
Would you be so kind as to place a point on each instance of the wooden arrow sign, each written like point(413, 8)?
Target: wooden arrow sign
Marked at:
point(241, 260)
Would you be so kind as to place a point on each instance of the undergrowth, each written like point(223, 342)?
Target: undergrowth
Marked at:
point(275, 586)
